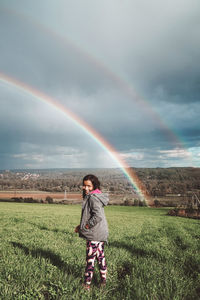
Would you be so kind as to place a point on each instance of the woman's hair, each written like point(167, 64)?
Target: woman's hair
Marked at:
point(95, 182)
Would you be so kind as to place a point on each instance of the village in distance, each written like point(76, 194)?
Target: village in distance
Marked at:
point(168, 187)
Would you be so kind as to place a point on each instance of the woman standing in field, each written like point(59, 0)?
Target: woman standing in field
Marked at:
point(93, 227)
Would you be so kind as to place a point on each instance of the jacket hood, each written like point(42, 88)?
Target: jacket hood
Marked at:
point(103, 197)
point(97, 191)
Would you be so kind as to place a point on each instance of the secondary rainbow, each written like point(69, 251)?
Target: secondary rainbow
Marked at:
point(99, 139)
point(118, 80)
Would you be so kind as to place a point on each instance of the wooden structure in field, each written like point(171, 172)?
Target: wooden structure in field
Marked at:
point(193, 200)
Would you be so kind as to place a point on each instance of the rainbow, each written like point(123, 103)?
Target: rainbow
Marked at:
point(138, 186)
point(119, 82)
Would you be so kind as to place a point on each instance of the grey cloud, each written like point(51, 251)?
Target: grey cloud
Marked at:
point(34, 54)
point(106, 48)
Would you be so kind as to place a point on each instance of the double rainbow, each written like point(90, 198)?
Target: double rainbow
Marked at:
point(138, 186)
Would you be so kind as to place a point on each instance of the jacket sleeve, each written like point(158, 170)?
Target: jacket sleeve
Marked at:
point(95, 206)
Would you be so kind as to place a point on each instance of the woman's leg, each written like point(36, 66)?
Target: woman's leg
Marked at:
point(102, 262)
point(91, 252)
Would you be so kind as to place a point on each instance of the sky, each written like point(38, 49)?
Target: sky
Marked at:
point(130, 69)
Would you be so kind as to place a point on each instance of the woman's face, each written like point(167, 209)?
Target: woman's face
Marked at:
point(87, 186)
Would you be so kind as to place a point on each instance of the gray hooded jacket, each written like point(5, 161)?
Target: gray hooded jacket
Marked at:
point(93, 215)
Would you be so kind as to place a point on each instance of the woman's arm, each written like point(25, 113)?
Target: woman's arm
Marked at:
point(95, 206)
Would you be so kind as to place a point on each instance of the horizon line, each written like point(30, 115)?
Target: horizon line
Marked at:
point(99, 168)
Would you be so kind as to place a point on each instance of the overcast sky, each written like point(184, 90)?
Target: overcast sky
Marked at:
point(129, 68)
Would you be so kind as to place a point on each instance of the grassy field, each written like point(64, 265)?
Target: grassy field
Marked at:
point(150, 255)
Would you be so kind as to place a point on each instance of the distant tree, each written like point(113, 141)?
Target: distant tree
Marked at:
point(136, 202)
point(29, 200)
point(142, 203)
point(156, 203)
point(128, 202)
point(49, 199)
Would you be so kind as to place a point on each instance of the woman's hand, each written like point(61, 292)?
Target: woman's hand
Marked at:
point(77, 229)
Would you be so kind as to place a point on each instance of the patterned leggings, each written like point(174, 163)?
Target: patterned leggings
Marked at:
point(95, 250)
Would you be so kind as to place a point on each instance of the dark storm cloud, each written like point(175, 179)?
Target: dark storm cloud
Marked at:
point(36, 55)
point(99, 52)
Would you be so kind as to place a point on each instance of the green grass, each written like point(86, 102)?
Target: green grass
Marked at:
point(150, 255)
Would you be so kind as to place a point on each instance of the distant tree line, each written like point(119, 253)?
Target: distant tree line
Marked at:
point(158, 181)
